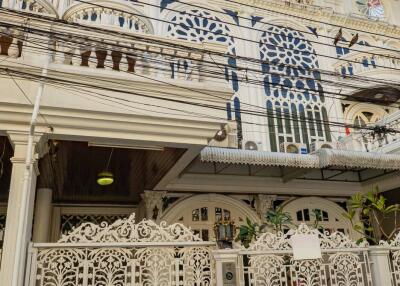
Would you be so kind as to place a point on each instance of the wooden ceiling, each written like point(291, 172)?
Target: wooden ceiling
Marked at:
point(71, 170)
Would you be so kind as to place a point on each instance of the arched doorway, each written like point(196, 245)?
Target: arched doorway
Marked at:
point(201, 212)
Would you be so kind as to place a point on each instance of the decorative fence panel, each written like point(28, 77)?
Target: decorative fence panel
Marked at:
point(124, 253)
point(269, 262)
point(394, 247)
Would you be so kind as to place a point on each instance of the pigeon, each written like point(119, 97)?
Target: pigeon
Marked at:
point(354, 40)
point(313, 30)
point(338, 37)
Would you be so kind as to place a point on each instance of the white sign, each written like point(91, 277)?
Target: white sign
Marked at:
point(306, 246)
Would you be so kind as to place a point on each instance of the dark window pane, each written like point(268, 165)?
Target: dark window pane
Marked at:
point(195, 215)
point(310, 121)
point(288, 125)
point(318, 119)
point(227, 215)
point(204, 234)
point(325, 216)
point(218, 214)
point(326, 125)
point(271, 127)
point(204, 214)
point(279, 117)
point(299, 216)
point(304, 130)
point(295, 123)
point(306, 215)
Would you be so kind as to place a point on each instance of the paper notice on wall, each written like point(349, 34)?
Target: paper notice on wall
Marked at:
point(306, 246)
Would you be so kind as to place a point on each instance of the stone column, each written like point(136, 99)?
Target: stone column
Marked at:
point(380, 268)
point(263, 204)
point(226, 261)
point(15, 210)
point(42, 217)
point(153, 204)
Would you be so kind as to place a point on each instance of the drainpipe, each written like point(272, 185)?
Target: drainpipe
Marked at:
point(23, 217)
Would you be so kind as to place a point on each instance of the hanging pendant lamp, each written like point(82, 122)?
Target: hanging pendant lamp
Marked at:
point(106, 178)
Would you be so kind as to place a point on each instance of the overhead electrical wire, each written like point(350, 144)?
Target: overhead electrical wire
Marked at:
point(124, 104)
point(218, 34)
point(202, 50)
point(213, 62)
point(261, 22)
point(313, 20)
point(64, 81)
point(344, 97)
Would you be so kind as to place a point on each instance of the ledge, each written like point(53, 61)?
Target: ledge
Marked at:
point(324, 158)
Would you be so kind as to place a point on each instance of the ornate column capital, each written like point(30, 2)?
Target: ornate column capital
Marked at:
point(153, 201)
point(264, 203)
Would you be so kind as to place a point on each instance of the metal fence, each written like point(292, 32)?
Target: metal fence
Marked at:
point(124, 253)
point(269, 262)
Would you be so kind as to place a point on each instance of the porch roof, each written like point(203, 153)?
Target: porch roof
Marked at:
point(323, 159)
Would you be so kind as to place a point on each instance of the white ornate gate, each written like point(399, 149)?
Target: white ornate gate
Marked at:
point(124, 253)
point(269, 262)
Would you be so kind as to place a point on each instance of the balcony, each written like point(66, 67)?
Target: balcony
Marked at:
point(388, 143)
point(368, 63)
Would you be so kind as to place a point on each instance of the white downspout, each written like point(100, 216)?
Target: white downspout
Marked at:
point(23, 213)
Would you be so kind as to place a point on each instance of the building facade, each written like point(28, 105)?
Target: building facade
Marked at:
point(200, 111)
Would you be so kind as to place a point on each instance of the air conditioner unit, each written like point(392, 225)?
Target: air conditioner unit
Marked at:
point(317, 145)
point(293, 148)
point(226, 137)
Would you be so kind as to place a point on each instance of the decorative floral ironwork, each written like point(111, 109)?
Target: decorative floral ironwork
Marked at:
point(271, 263)
point(201, 26)
point(281, 241)
point(345, 269)
point(127, 230)
point(267, 270)
point(142, 261)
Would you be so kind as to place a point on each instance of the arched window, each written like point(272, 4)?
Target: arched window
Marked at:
point(201, 212)
point(292, 81)
point(320, 212)
point(201, 26)
point(371, 8)
point(364, 118)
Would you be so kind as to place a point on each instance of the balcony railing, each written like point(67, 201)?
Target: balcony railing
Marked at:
point(386, 143)
point(366, 62)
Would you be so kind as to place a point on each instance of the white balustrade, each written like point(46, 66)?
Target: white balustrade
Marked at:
point(109, 17)
point(384, 143)
point(366, 62)
point(142, 60)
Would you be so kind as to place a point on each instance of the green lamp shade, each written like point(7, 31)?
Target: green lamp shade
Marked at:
point(105, 178)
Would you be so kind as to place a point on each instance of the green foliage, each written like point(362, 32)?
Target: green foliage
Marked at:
point(278, 219)
point(247, 232)
point(368, 210)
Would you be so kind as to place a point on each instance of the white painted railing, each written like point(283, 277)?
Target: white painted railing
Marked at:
point(388, 142)
point(370, 61)
point(123, 253)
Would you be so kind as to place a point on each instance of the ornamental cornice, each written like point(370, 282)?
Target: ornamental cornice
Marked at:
point(112, 126)
point(317, 13)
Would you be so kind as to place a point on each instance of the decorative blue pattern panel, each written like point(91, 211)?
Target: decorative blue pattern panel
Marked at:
point(292, 85)
point(201, 26)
